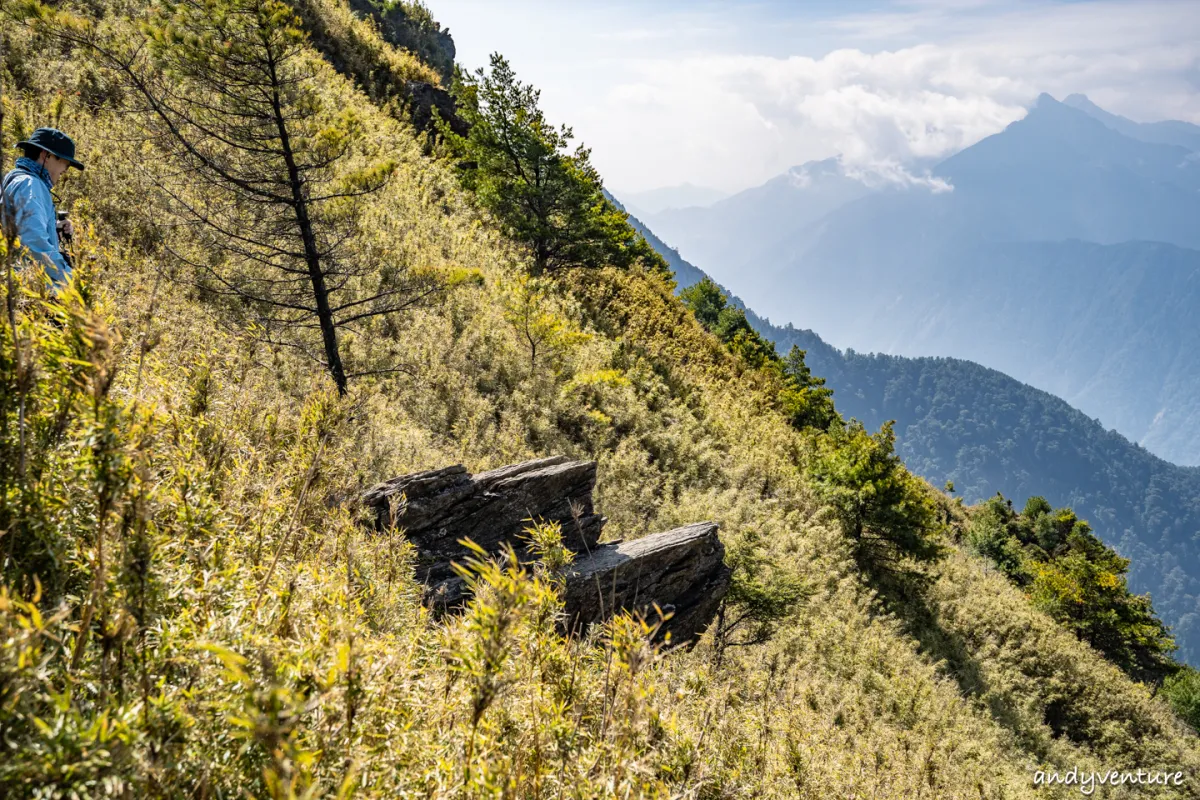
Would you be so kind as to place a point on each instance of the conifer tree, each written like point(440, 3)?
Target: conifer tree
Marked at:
point(807, 401)
point(268, 176)
point(886, 512)
point(543, 196)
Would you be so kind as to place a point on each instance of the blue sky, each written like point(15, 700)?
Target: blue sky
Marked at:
point(731, 94)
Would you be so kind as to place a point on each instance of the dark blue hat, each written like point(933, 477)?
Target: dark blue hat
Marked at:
point(54, 142)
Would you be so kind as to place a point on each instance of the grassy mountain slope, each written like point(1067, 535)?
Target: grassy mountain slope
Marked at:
point(197, 488)
point(987, 432)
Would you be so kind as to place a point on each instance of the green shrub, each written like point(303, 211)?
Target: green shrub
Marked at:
point(1183, 691)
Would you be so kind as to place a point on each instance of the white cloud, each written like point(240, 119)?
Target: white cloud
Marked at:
point(761, 115)
point(881, 172)
point(778, 86)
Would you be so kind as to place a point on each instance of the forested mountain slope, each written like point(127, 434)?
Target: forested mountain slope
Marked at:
point(191, 605)
point(988, 433)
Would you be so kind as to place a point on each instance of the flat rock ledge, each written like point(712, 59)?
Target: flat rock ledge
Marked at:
point(436, 509)
point(682, 570)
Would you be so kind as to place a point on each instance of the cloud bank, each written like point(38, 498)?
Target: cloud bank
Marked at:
point(731, 95)
point(879, 112)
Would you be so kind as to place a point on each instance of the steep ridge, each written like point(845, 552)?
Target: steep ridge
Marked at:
point(987, 433)
point(251, 637)
point(1183, 134)
point(1105, 327)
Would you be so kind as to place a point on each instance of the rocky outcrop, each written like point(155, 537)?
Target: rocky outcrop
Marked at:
point(412, 29)
point(682, 571)
point(438, 508)
point(425, 98)
point(358, 57)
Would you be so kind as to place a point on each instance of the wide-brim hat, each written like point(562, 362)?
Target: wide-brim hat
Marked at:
point(54, 142)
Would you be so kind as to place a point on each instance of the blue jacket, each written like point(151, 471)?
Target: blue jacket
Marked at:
point(29, 209)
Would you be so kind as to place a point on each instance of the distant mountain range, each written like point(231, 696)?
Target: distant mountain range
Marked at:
point(1183, 134)
point(987, 432)
point(1065, 254)
point(727, 237)
point(685, 195)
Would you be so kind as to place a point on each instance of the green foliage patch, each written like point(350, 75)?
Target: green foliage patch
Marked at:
point(1072, 576)
point(802, 397)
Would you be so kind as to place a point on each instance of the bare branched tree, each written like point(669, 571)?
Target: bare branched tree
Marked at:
point(269, 174)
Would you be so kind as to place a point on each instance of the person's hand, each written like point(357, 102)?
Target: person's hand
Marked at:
point(66, 229)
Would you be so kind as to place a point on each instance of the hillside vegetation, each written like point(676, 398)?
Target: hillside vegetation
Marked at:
point(191, 606)
point(987, 433)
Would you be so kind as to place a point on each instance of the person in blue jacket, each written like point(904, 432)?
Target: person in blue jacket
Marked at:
point(28, 206)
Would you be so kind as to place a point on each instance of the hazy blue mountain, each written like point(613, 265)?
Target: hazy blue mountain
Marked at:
point(685, 195)
point(1051, 260)
point(735, 234)
point(1061, 174)
point(987, 432)
point(1184, 134)
point(1109, 328)
point(685, 273)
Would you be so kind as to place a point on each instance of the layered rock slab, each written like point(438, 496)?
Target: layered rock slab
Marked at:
point(437, 508)
point(682, 571)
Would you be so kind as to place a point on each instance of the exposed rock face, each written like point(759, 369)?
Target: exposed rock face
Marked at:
point(682, 570)
point(438, 508)
point(423, 98)
point(416, 32)
point(409, 29)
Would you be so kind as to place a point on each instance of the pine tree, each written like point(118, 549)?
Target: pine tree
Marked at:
point(268, 175)
point(886, 512)
point(543, 196)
